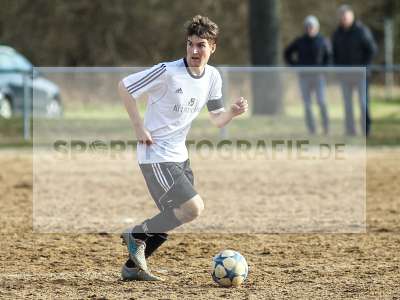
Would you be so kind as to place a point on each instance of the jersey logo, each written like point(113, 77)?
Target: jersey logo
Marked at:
point(191, 101)
point(191, 106)
point(179, 91)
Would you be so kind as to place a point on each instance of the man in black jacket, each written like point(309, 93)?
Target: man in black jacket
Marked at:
point(353, 45)
point(311, 49)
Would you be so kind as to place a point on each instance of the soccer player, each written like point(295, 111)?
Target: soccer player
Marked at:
point(176, 92)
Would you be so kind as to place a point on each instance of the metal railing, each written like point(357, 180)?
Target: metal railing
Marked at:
point(27, 97)
point(386, 77)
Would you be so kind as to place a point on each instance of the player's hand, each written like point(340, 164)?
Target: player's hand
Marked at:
point(143, 136)
point(239, 107)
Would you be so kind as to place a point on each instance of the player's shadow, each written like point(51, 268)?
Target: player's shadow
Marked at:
point(219, 287)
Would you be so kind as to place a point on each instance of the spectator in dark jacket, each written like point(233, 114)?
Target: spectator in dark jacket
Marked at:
point(353, 45)
point(311, 49)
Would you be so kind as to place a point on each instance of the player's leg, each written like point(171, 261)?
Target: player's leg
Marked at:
point(179, 204)
point(185, 213)
point(177, 200)
point(137, 237)
point(130, 271)
point(189, 210)
point(180, 212)
point(157, 239)
point(153, 242)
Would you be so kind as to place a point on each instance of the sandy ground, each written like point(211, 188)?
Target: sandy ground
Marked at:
point(70, 266)
point(243, 193)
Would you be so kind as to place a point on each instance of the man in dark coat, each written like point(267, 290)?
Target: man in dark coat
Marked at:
point(311, 50)
point(353, 45)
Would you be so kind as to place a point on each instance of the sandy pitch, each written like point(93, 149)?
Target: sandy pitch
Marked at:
point(281, 265)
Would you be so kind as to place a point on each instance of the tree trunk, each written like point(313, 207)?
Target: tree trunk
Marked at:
point(264, 44)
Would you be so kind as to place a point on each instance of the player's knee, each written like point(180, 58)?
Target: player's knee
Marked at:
point(192, 213)
point(191, 209)
point(195, 210)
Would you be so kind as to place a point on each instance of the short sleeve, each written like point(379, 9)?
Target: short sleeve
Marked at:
point(215, 103)
point(146, 82)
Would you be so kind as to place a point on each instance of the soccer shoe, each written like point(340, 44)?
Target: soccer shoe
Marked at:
point(130, 274)
point(135, 249)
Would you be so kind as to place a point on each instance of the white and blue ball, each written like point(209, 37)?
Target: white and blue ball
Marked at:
point(229, 268)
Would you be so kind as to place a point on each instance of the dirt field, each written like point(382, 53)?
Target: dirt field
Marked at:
point(69, 266)
point(243, 193)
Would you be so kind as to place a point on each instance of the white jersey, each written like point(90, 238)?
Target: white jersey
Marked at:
point(175, 98)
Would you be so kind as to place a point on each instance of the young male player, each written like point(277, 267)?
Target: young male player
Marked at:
point(176, 92)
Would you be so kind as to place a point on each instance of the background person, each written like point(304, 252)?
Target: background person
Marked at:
point(353, 45)
point(311, 49)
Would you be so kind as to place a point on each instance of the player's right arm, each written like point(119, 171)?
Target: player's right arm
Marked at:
point(150, 82)
point(142, 134)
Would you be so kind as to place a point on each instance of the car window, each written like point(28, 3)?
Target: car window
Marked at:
point(6, 61)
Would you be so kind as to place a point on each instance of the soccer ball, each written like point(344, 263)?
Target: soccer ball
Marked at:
point(229, 268)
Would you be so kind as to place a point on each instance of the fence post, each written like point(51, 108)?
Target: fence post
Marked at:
point(27, 107)
point(223, 132)
point(389, 78)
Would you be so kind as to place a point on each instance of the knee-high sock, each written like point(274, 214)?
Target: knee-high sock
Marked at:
point(163, 222)
point(148, 231)
point(154, 242)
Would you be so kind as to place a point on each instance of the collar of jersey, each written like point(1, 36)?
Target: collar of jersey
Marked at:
point(190, 73)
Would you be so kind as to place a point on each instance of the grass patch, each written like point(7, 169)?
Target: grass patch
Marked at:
point(88, 122)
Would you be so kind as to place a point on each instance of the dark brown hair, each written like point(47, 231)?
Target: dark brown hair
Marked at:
point(203, 27)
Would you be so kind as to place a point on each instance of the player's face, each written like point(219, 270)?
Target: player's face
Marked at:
point(198, 51)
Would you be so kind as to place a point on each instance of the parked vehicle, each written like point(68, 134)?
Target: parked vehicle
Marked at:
point(18, 77)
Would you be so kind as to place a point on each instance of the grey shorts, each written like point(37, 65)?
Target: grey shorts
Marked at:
point(170, 183)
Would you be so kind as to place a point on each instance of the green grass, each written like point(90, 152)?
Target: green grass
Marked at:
point(11, 133)
point(386, 123)
point(91, 111)
point(111, 122)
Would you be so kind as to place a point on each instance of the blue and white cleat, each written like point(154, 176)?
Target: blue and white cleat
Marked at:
point(136, 250)
point(130, 274)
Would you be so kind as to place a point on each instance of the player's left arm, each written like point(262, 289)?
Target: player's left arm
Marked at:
point(220, 119)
